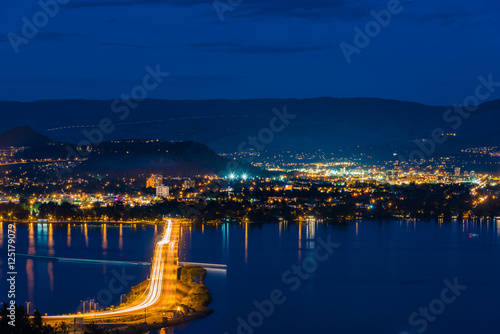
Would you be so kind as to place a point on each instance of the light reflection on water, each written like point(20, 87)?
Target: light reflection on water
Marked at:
point(300, 241)
point(104, 238)
point(30, 274)
point(31, 240)
point(41, 232)
point(50, 271)
point(310, 233)
point(246, 242)
point(85, 231)
point(50, 242)
point(120, 241)
point(68, 238)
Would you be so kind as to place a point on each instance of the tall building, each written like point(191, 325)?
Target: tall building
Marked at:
point(156, 180)
point(163, 191)
point(457, 171)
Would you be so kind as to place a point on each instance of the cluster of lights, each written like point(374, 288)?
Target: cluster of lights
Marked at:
point(233, 176)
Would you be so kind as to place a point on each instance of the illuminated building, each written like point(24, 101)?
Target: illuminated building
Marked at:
point(162, 191)
point(156, 180)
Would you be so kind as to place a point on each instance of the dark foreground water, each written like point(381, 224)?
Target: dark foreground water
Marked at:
point(372, 278)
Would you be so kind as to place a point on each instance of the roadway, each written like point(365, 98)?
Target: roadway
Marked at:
point(158, 297)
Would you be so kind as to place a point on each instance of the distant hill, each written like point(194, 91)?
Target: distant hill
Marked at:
point(173, 159)
point(22, 137)
point(136, 157)
point(320, 123)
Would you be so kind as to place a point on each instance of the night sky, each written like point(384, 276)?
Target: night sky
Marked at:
point(430, 51)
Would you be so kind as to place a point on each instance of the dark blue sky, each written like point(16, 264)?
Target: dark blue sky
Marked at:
point(430, 52)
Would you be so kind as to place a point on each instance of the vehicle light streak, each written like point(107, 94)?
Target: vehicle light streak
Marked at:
point(155, 288)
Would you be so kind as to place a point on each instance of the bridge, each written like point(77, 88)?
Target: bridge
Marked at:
point(71, 259)
point(158, 297)
point(207, 266)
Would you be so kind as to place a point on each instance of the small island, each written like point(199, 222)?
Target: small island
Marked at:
point(192, 299)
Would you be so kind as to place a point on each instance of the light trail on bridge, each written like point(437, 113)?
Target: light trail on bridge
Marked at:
point(161, 283)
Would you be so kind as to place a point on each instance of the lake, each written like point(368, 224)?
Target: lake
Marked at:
point(387, 276)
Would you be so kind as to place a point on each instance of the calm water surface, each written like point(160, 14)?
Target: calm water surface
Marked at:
point(382, 272)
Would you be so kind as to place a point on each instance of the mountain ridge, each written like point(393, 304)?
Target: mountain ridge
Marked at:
point(223, 124)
